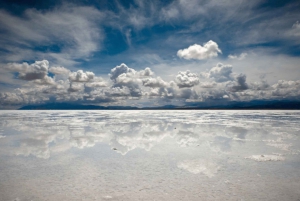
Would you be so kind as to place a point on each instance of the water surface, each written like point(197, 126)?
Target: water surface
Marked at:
point(149, 155)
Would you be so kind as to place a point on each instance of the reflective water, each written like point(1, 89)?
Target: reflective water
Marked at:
point(149, 155)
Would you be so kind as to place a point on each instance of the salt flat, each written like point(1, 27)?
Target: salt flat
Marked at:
point(149, 155)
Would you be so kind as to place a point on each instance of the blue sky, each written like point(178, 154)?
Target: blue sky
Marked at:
point(160, 52)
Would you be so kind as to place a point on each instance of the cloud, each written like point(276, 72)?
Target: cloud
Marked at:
point(240, 57)
point(45, 81)
point(59, 70)
point(127, 86)
point(75, 87)
point(118, 92)
point(146, 73)
point(154, 82)
point(124, 71)
point(133, 84)
point(221, 73)
point(262, 85)
point(284, 84)
point(90, 86)
point(296, 29)
point(186, 79)
point(81, 76)
point(118, 70)
point(284, 89)
point(37, 70)
point(12, 98)
point(240, 83)
point(70, 30)
point(208, 50)
point(123, 76)
point(296, 25)
point(208, 84)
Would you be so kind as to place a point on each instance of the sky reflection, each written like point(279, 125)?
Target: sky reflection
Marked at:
point(130, 155)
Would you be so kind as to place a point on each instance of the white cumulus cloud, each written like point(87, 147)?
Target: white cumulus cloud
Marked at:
point(37, 70)
point(221, 73)
point(81, 76)
point(154, 82)
point(208, 50)
point(118, 70)
point(186, 79)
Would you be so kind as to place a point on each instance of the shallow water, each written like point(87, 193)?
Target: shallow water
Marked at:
point(149, 155)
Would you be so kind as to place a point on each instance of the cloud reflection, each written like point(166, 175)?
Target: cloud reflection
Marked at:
point(205, 167)
point(126, 155)
point(41, 134)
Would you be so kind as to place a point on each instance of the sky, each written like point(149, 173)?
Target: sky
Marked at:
point(148, 53)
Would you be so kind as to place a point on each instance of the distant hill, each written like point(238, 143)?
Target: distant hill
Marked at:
point(231, 105)
point(72, 106)
point(255, 104)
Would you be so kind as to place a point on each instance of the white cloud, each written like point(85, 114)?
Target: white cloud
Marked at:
point(123, 76)
point(208, 84)
point(90, 86)
point(12, 98)
point(146, 73)
point(284, 89)
point(221, 73)
point(45, 81)
point(74, 26)
point(133, 84)
point(59, 70)
point(75, 87)
point(296, 29)
point(81, 76)
point(118, 92)
point(130, 86)
point(208, 50)
point(154, 82)
point(118, 70)
point(240, 57)
point(37, 70)
point(186, 79)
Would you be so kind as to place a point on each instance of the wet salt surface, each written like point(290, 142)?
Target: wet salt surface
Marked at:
point(149, 155)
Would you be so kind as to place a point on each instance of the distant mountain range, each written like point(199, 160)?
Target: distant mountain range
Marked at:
point(256, 104)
